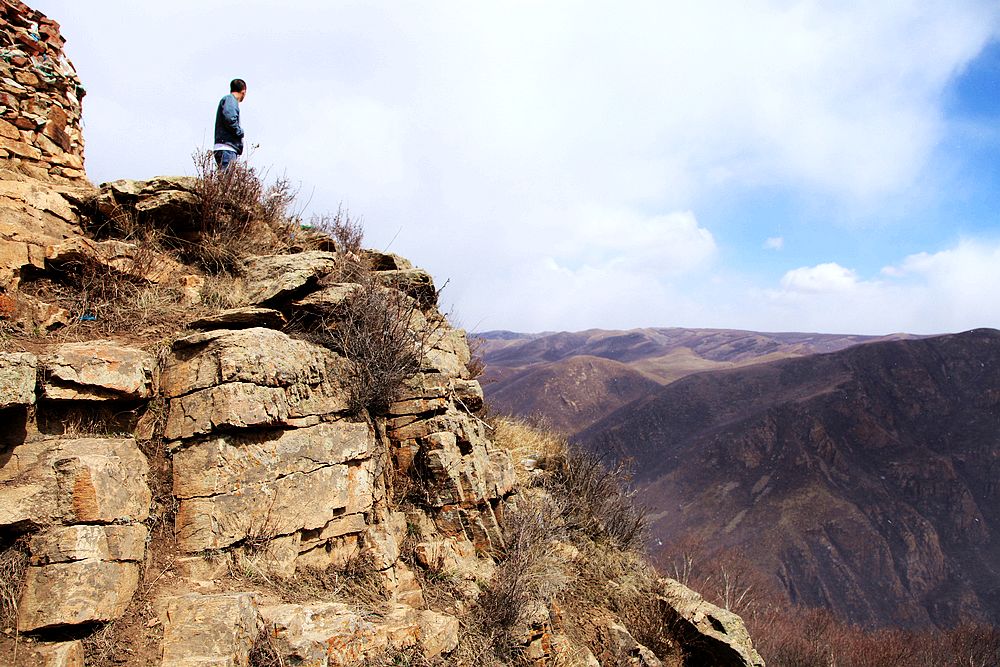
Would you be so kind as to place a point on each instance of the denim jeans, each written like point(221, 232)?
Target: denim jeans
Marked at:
point(223, 158)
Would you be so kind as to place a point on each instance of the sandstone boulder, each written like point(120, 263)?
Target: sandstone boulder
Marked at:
point(385, 261)
point(241, 318)
point(250, 377)
point(265, 510)
point(323, 633)
point(86, 480)
point(71, 593)
point(166, 201)
point(277, 277)
point(53, 654)
point(415, 283)
point(122, 258)
point(98, 370)
point(331, 634)
point(228, 463)
point(18, 372)
point(329, 298)
point(82, 542)
point(718, 635)
point(209, 630)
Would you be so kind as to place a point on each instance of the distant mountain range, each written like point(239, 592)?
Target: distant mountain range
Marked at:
point(856, 474)
point(574, 379)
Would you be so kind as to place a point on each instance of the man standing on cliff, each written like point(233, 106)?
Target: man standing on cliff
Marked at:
point(228, 133)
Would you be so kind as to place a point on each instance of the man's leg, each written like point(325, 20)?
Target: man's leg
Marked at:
point(223, 158)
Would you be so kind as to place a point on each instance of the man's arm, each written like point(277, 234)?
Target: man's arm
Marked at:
point(231, 114)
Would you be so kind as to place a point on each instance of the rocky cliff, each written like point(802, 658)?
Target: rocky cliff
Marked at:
point(189, 477)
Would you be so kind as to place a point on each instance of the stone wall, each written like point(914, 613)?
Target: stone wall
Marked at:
point(40, 97)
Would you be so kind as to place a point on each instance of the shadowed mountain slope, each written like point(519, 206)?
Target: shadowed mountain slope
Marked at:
point(866, 480)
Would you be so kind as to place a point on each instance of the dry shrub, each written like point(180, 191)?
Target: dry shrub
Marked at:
point(223, 291)
point(79, 419)
point(530, 572)
point(477, 358)
point(596, 497)
point(109, 294)
point(598, 501)
point(239, 216)
point(383, 334)
point(625, 584)
point(593, 563)
point(791, 636)
point(404, 657)
point(347, 232)
point(13, 565)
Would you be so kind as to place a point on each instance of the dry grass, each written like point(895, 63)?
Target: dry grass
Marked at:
point(264, 653)
point(405, 657)
point(79, 419)
point(106, 295)
point(347, 232)
point(529, 446)
point(596, 495)
point(222, 292)
point(477, 359)
point(573, 539)
point(355, 580)
point(795, 637)
point(13, 565)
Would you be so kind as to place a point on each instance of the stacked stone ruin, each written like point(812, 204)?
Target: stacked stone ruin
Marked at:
point(40, 97)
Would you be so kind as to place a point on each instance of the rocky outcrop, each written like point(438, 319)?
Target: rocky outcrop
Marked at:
point(86, 500)
point(17, 379)
point(216, 494)
point(715, 636)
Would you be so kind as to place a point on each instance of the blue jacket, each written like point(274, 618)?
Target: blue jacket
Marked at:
point(227, 124)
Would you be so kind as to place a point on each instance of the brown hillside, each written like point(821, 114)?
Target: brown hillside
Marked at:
point(571, 393)
point(525, 371)
point(864, 481)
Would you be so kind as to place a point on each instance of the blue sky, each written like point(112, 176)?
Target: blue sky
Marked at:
point(762, 164)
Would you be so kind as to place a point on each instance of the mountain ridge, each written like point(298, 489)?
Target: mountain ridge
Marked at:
point(879, 463)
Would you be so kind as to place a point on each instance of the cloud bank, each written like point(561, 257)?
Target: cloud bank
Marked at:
point(552, 160)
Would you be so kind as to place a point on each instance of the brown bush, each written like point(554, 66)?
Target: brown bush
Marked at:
point(347, 234)
point(598, 501)
point(382, 332)
point(790, 636)
point(238, 216)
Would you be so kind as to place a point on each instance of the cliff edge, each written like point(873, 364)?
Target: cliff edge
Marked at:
point(274, 451)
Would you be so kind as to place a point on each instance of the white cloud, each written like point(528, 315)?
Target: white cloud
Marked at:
point(774, 243)
point(930, 292)
point(540, 151)
point(828, 277)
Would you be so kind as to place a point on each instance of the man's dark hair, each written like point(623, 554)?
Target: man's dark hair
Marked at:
point(237, 86)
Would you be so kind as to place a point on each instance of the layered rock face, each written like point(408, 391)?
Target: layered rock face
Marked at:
point(40, 97)
point(242, 434)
